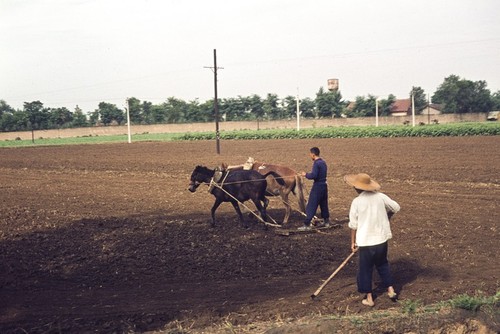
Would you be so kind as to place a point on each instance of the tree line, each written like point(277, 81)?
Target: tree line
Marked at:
point(455, 95)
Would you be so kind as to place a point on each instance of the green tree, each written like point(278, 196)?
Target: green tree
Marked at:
point(7, 122)
point(256, 107)
point(147, 112)
point(110, 113)
point(206, 111)
point(21, 120)
point(481, 97)
point(194, 113)
point(6, 116)
point(308, 108)
point(363, 107)
point(5, 108)
point(385, 105)
point(289, 107)
point(135, 110)
point(79, 118)
point(462, 96)
point(233, 109)
point(94, 117)
point(158, 113)
point(419, 98)
point(59, 117)
point(177, 110)
point(271, 107)
point(329, 104)
point(38, 116)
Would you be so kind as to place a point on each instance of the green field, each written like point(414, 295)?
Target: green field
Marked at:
point(436, 130)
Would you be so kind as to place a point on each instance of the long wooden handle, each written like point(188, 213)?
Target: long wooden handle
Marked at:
point(333, 274)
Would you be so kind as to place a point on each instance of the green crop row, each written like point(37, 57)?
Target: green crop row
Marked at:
point(435, 130)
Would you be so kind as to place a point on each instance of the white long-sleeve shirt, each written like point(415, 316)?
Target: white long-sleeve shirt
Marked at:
point(368, 216)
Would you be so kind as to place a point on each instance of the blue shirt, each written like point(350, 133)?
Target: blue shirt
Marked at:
point(318, 172)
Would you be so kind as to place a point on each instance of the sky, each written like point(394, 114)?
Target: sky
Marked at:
point(66, 53)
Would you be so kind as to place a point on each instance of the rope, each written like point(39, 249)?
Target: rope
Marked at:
point(212, 183)
point(281, 199)
point(293, 206)
point(238, 182)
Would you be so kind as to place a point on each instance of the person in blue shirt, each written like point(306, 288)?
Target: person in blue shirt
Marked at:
point(319, 191)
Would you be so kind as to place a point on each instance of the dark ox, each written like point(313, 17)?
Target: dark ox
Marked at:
point(237, 186)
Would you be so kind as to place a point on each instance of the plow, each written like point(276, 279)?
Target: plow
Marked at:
point(289, 231)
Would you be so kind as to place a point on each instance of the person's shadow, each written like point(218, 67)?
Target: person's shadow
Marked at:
point(405, 271)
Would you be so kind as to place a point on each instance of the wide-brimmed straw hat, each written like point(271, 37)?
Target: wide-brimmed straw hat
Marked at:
point(362, 181)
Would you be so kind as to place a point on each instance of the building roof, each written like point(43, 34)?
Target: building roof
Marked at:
point(401, 105)
point(436, 106)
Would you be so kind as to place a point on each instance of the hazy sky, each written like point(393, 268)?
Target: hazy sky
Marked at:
point(82, 52)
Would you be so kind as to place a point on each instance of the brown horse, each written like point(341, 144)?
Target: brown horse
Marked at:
point(293, 183)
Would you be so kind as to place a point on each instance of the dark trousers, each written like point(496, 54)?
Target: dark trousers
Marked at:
point(369, 257)
point(317, 197)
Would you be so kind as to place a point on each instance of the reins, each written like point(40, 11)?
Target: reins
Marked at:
point(246, 181)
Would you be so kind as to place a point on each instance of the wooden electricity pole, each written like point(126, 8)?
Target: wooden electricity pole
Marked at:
point(128, 122)
point(216, 102)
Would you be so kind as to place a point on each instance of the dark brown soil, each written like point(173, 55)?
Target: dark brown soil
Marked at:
point(106, 238)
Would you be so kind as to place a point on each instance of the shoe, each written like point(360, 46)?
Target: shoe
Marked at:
point(367, 303)
point(393, 296)
point(305, 228)
point(324, 223)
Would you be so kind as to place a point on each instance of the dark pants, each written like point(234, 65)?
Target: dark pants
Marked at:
point(369, 257)
point(317, 197)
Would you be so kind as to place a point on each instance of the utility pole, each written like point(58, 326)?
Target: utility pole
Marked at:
point(413, 108)
point(298, 110)
point(428, 109)
point(216, 103)
point(128, 122)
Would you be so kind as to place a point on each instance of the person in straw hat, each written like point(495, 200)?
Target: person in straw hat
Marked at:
point(370, 229)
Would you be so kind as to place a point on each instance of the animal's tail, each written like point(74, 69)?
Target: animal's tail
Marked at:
point(278, 177)
point(299, 191)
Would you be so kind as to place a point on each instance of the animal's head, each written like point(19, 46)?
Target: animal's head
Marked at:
point(199, 175)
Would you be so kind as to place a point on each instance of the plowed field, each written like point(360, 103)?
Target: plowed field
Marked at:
point(106, 238)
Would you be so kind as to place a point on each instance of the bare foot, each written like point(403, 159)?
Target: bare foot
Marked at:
point(367, 302)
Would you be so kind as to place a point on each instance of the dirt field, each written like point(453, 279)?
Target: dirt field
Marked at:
point(106, 238)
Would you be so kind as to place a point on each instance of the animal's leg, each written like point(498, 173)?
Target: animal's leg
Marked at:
point(238, 211)
point(214, 207)
point(288, 208)
point(266, 202)
point(261, 208)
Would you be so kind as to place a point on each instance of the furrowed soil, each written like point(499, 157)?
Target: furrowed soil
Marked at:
point(107, 238)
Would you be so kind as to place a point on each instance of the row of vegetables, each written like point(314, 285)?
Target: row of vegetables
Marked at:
point(434, 130)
